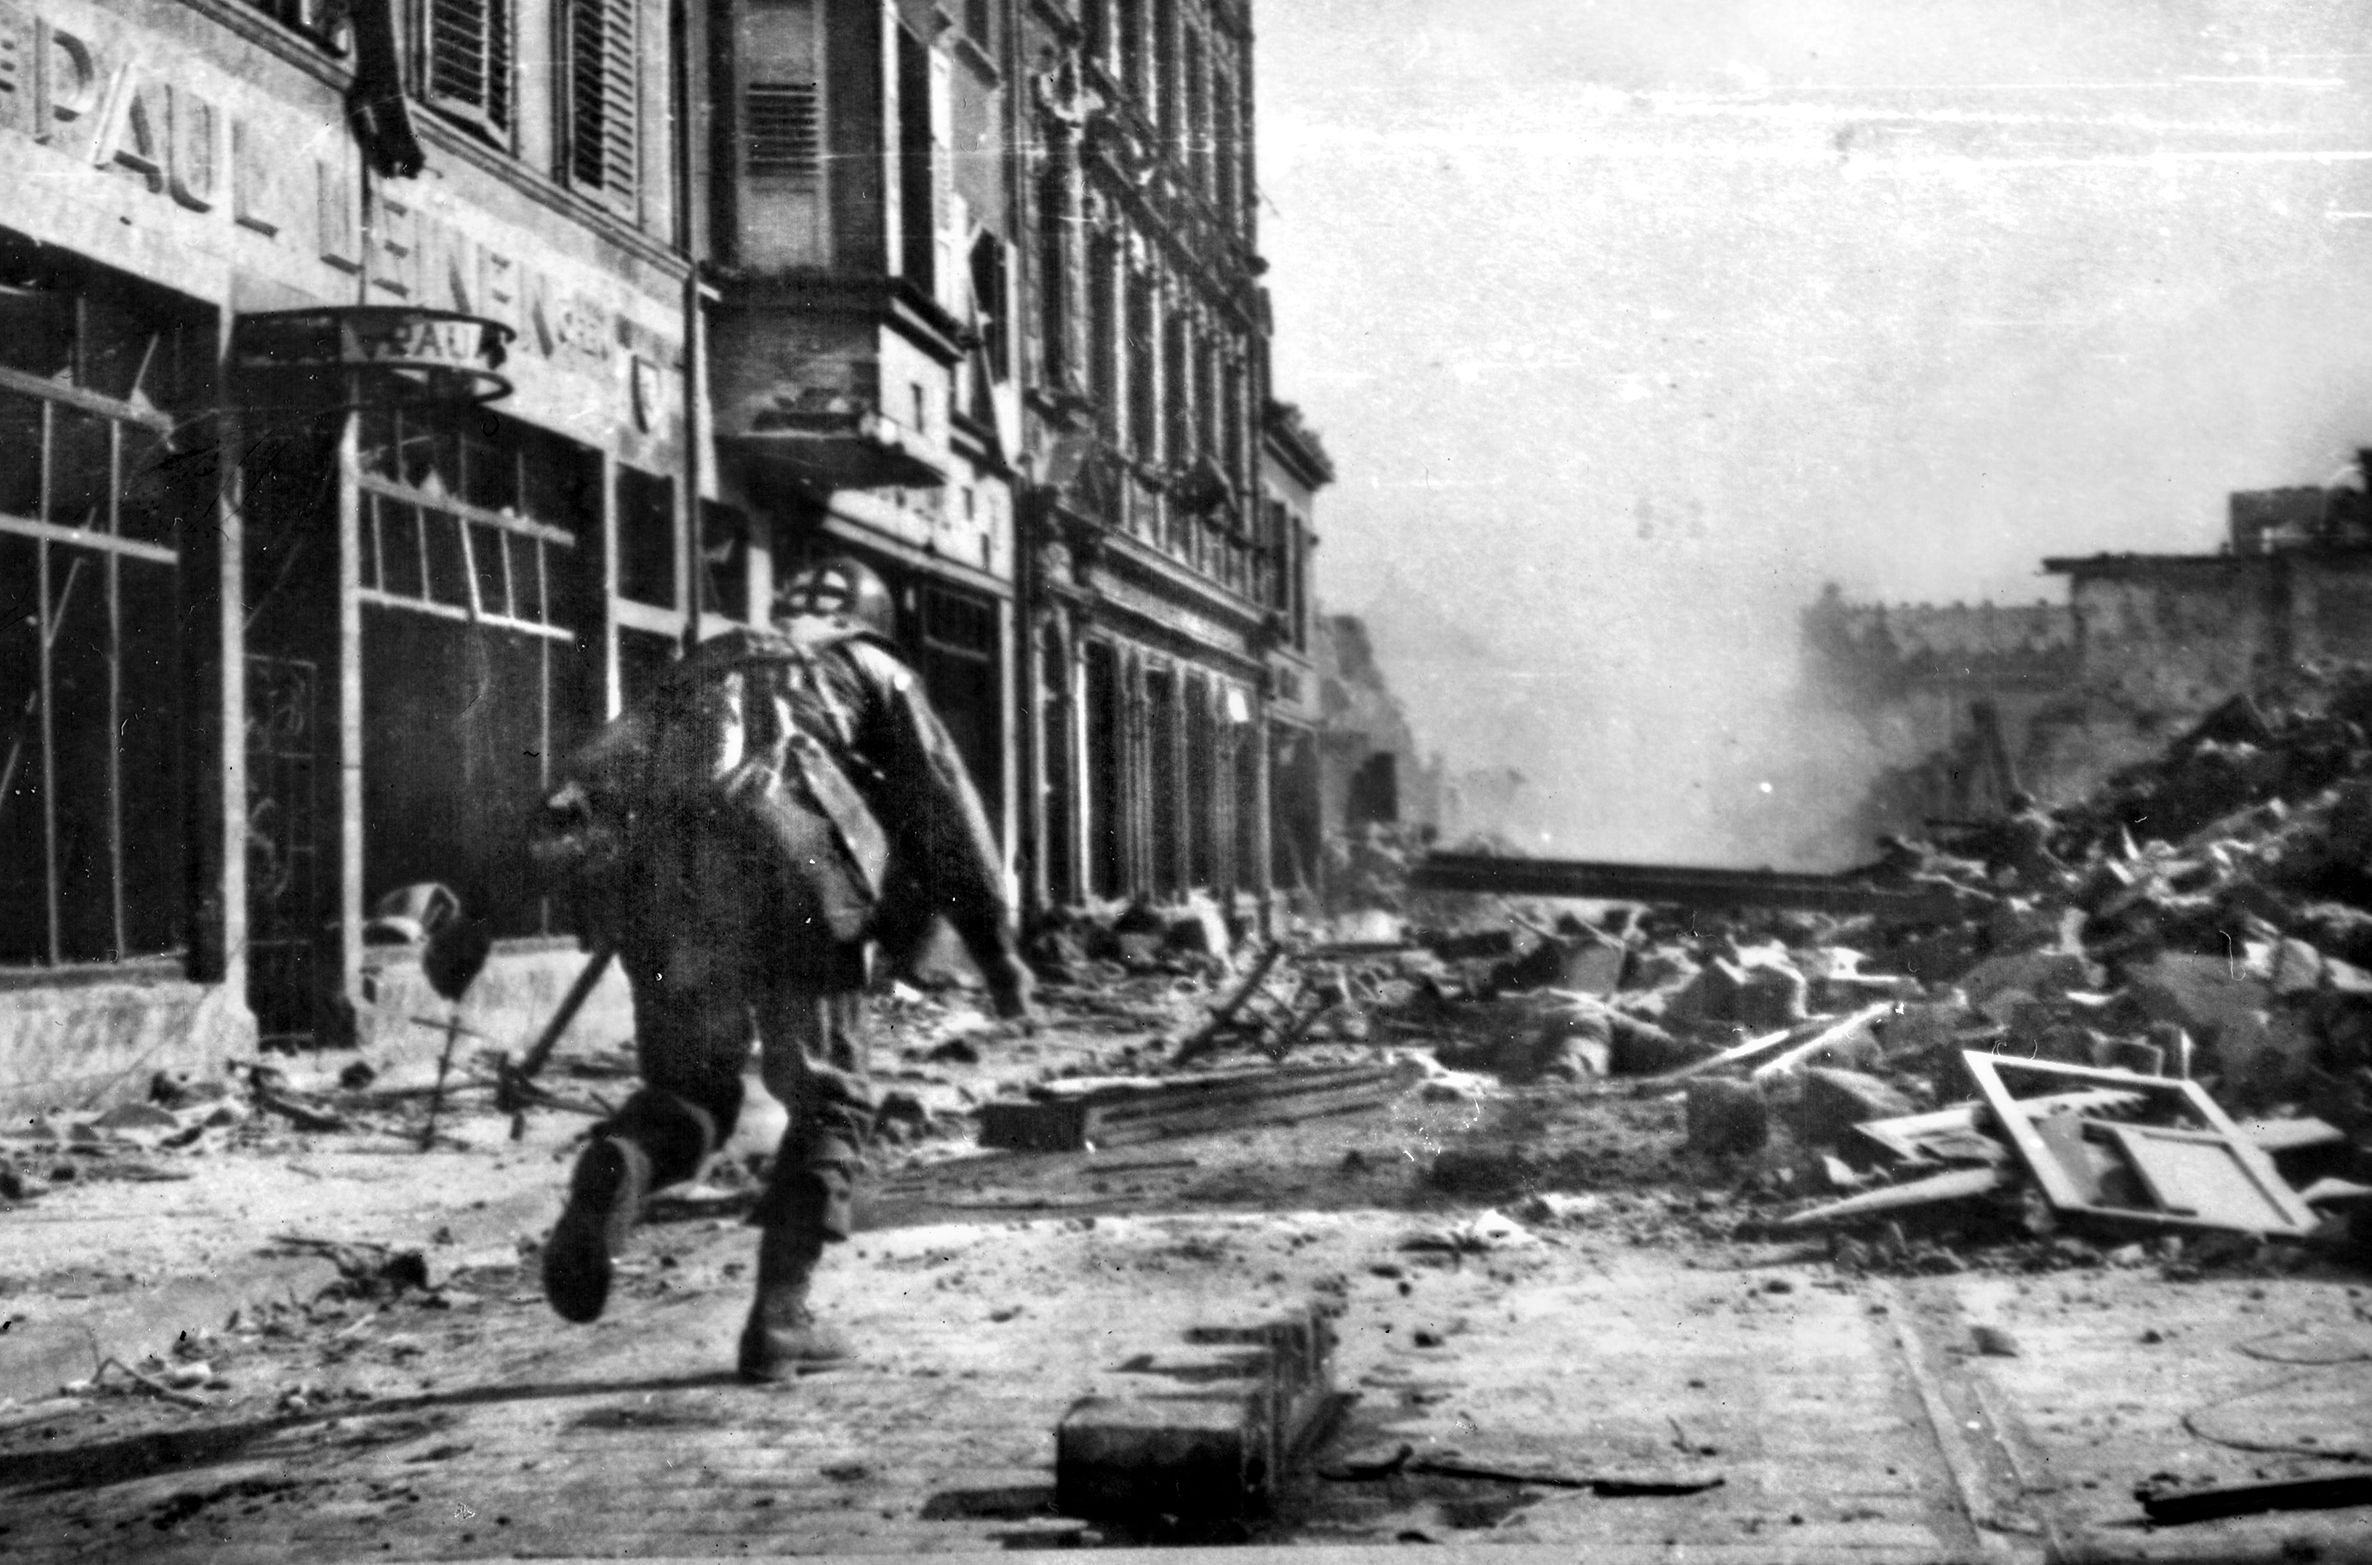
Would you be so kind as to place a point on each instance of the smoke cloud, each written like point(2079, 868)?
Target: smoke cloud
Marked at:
point(1627, 333)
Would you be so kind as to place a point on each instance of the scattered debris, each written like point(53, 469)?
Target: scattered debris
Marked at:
point(1095, 1112)
point(272, 1094)
point(2327, 1492)
point(1479, 1234)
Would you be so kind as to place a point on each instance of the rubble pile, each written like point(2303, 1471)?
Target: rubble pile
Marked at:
point(2172, 976)
point(2151, 1015)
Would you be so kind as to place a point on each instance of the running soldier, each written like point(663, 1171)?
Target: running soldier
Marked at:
point(782, 806)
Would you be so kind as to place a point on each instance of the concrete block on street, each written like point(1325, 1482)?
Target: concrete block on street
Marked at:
point(1135, 1458)
point(1262, 1397)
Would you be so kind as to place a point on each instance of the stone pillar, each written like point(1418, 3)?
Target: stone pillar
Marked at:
point(214, 671)
point(347, 858)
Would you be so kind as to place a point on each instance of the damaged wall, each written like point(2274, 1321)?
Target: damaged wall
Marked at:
point(1955, 699)
point(1965, 702)
point(1371, 771)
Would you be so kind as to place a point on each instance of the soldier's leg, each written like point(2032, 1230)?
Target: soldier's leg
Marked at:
point(692, 1036)
point(815, 1062)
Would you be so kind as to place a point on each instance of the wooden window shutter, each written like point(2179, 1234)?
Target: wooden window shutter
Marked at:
point(469, 60)
point(947, 224)
point(782, 131)
point(604, 141)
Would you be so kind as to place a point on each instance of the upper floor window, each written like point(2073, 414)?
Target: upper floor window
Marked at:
point(1104, 335)
point(469, 61)
point(1227, 150)
point(600, 85)
point(324, 19)
point(1144, 401)
point(1194, 134)
point(1134, 55)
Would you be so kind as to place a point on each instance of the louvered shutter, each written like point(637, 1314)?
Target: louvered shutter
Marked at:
point(782, 131)
point(469, 61)
point(604, 144)
point(947, 279)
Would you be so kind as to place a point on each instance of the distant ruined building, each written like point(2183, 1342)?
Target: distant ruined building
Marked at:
point(1955, 699)
point(1371, 771)
point(1968, 703)
point(1374, 779)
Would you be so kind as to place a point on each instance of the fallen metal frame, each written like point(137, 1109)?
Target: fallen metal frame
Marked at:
point(2288, 1215)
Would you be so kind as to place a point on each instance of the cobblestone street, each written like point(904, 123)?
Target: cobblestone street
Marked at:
point(1627, 1330)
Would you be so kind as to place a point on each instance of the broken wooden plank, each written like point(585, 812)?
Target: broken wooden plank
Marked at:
point(2277, 1136)
point(1952, 1134)
point(1119, 1113)
point(1954, 1184)
point(1762, 1043)
point(1827, 1038)
point(1607, 1486)
point(1205, 1037)
point(2332, 1191)
point(1677, 885)
point(2328, 1492)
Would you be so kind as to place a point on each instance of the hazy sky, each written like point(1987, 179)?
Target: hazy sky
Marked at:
point(1629, 323)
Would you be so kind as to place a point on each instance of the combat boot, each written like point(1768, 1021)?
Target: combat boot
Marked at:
point(783, 1337)
point(605, 1197)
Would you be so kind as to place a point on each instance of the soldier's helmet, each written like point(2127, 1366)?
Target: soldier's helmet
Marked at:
point(839, 588)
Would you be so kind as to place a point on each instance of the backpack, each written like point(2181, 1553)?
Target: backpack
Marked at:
point(748, 732)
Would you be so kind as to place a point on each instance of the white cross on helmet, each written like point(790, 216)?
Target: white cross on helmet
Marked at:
point(838, 588)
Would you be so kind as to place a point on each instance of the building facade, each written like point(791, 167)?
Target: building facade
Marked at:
point(1151, 574)
point(347, 468)
point(389, 388)
point(1293, 468)
point(864, 370)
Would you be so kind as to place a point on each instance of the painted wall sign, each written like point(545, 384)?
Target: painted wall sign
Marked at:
point(145, 154)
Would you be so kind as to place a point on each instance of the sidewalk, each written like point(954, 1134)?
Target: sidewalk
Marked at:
point(121, 1267)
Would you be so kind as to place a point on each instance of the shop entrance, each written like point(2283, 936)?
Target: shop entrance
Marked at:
point(285, 911)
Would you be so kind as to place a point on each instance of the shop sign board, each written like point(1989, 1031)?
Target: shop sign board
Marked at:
point(435, 354)
point(126, 145)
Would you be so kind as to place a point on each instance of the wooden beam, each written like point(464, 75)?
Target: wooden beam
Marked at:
point(1680, 885)
point(1117, 1113)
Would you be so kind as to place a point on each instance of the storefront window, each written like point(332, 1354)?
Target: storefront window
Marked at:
point(91, 508)
point(470, 560)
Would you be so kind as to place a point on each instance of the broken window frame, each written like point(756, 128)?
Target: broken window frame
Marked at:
point(495, 516)
point(1106, 308)
point(106, 882)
